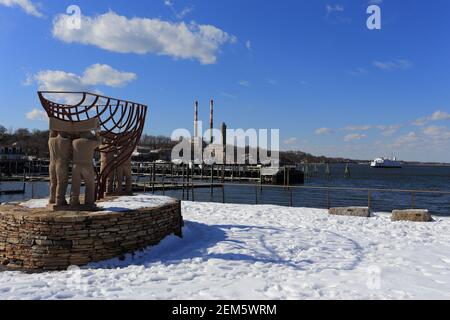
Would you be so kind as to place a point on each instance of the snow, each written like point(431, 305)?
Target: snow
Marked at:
point(120, 204)
point(35, 203)
point(264, 252)
point(135, 202)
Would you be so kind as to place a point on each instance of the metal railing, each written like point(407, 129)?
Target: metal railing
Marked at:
point(380, 199)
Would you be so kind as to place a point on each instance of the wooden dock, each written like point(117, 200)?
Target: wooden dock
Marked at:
point(145, 187)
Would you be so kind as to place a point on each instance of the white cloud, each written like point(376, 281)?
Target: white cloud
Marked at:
point(28, 80)
point(323, 131)
point(244, 83)
point(272, 82)
point(228, 95)
point(26, 5)
point(358, 72)
point(56, 80)
point(400, 64)
point(181, 14)
point(436, 116)
point(116, 33)
point(37, 115)
point(97, 74)
point(336, 8)
point(420, 122)
point(408, 140)
point(184, 12)
point(440, 115)
point(354, 136)
point(437, 132)
point(248, 45)
point(389, 130)
point(106, 75)
point(291, 141)
point(357, 128)
point(386, 130)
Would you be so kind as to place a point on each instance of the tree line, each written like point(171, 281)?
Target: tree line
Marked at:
point(35, 143)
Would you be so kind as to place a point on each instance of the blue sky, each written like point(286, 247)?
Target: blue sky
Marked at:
point(310, 68)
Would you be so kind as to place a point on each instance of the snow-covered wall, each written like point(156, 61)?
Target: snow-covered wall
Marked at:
point(37, 239)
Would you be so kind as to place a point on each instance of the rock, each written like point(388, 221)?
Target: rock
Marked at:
point(414, 215)
point(350, 211)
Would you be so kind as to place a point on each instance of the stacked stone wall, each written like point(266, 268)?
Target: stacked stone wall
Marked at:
point(38, 239)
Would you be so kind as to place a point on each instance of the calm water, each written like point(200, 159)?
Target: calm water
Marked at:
point(433, 178)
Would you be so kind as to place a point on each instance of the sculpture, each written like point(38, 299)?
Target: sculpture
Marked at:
point(52, 168)
point(121, 124)
point(124, 173)
point(105, 159)
point(60, 148)
point(83, 168)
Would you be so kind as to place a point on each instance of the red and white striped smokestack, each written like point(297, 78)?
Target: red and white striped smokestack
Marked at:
point(196, 120)
point(211, 120)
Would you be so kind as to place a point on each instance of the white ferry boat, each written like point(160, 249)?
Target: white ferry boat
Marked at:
point(386, 163)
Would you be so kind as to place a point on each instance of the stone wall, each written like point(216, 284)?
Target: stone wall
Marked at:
point(38, 239)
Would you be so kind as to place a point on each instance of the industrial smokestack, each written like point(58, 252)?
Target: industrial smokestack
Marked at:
point(196, 120)
point(211, 120)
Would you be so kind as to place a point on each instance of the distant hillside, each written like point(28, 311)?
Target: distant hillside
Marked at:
point(34, 143)
point(294, 157)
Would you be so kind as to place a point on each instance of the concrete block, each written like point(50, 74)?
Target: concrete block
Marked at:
point(350, 211)
point(415, 215)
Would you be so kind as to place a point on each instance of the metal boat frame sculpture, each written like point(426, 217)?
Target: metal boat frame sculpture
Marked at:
point(121, 122)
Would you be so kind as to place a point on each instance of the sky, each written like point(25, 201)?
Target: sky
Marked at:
point(310, 68)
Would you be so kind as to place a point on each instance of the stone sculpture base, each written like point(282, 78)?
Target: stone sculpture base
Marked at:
point(411, 215)
point(42, 239)
point(71, 208)
point(350, 211)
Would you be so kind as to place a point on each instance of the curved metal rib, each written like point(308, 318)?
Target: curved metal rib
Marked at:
point(122, 124)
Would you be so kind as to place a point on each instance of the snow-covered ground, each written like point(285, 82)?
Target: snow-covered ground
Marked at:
point(264, 252)
point(119, 204)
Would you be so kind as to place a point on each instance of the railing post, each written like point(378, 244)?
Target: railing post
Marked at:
point(153, 177)
point(328, 198)
point(413, 200)
point(369, 199)
point(211, 191)
point(164, 180)
point(32, 189)
point(256, 194)
point(223, 173)
point(291, 202)
point(192, 180)
point(187, 181)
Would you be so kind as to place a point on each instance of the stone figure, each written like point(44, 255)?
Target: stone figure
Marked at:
point(52, 169)
point(60, 147)
point(106, 158)
point(124, 173)
point(83, 168)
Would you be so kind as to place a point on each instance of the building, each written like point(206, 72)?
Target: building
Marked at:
point(282, 176)
point(13, 152)
point(148, 154)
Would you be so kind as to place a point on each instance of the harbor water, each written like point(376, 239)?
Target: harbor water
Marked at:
point(382, 189)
